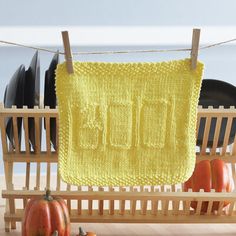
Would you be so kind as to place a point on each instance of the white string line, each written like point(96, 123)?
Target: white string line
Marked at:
point(117, 52)
point(31, 47)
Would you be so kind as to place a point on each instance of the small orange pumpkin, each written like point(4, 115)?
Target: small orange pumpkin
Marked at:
point(46, 216)
point(83, 233)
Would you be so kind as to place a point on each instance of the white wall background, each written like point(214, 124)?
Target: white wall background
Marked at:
point(116, 25)
point(116, 13)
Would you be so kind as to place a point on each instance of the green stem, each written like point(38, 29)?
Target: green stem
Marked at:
point(55, 233)
point(81, 232)
point(48, 196)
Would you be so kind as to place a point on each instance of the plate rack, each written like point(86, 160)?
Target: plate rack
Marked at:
point(132, 204)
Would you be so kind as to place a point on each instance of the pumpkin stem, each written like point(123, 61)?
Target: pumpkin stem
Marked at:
point(48, 196)
point(81, 232)
point(55, 233)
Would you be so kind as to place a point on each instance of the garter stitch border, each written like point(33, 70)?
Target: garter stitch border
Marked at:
point(127, 124)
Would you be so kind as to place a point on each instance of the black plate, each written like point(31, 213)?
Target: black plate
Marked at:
point(5, 94)
point(46, 89)
point(14, 95)
point(50, 94)
point(32, 93)
point(49, 88)
point(217, 93)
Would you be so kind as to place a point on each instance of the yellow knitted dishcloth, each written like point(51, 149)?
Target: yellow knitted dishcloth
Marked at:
point(127, 124)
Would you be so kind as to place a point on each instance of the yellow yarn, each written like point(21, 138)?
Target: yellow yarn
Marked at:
point(123, 124)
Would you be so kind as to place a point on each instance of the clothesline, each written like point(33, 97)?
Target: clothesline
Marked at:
point(117, 52)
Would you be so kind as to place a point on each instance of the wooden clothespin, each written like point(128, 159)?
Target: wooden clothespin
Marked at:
point(195, 47)
point(67, 50)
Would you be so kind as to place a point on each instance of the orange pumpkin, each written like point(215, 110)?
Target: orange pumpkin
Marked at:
point(209, 175)
point(82, 233)
point(45, 216)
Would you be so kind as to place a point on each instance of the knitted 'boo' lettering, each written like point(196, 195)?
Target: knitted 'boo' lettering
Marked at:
point(123, 124)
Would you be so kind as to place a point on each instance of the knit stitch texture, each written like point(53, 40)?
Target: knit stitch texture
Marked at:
point(127, 124)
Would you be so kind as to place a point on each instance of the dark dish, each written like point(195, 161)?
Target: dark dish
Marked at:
point(32, 93)
point(217, 93)
point(50, 95)
point(14, 95)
